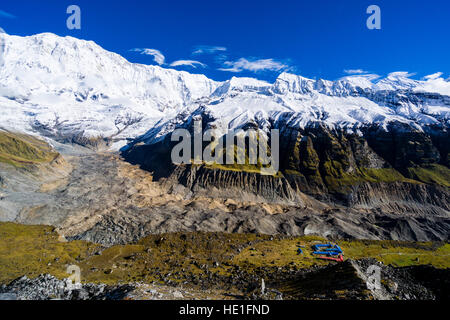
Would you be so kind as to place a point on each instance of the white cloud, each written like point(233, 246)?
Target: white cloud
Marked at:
point(255, 65)
point(366, 76)
point(433, 76)
point(208, 49)
point(355, 71)
point(190, 63)
point(400, 74)
point(158, 57)
point(435, 83)
point(5, 14)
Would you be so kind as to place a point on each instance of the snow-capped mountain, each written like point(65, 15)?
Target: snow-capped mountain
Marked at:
point(66, 87)
point(72, 86)
point(348, 103)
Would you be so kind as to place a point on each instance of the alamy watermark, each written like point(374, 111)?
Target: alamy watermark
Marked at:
point(250, 147)
point(74, 20)
point(373, 281)
point(374, 20)
point(74, 280)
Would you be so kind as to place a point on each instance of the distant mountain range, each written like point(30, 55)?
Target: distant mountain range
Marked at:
point(72, 89)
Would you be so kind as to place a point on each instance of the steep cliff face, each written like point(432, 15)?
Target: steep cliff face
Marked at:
point(395, 170)
point(404, 147)
point(400, 197)
point(242, 185)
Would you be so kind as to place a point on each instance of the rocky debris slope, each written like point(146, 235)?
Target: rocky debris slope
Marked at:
point(29, 168)
point(113, 228)
point(351, 280)
point(406, 283)
point(47, 287)
point(108, 201)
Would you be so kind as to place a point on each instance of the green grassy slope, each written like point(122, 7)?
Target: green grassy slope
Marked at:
point(20, 150)
point(33, 250)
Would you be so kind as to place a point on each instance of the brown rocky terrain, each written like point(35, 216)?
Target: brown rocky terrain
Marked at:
point(400, 169)
point(109, 201)
point(102, 198)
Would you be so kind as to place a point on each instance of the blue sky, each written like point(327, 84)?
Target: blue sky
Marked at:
point(221, 39)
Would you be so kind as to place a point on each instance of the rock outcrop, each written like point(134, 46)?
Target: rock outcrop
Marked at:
point(47, 287)
point(395, 170)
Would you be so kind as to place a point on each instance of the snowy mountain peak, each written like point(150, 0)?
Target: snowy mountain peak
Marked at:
point(239, 85)
point(396, 81)
point(65, 87)
point(287, 82)
point(82, 70)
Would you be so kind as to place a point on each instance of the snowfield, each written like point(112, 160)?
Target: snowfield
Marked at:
point(64, 86)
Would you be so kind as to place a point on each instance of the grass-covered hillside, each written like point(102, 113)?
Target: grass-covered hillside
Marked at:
point(21, 150)
point(179, 257)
